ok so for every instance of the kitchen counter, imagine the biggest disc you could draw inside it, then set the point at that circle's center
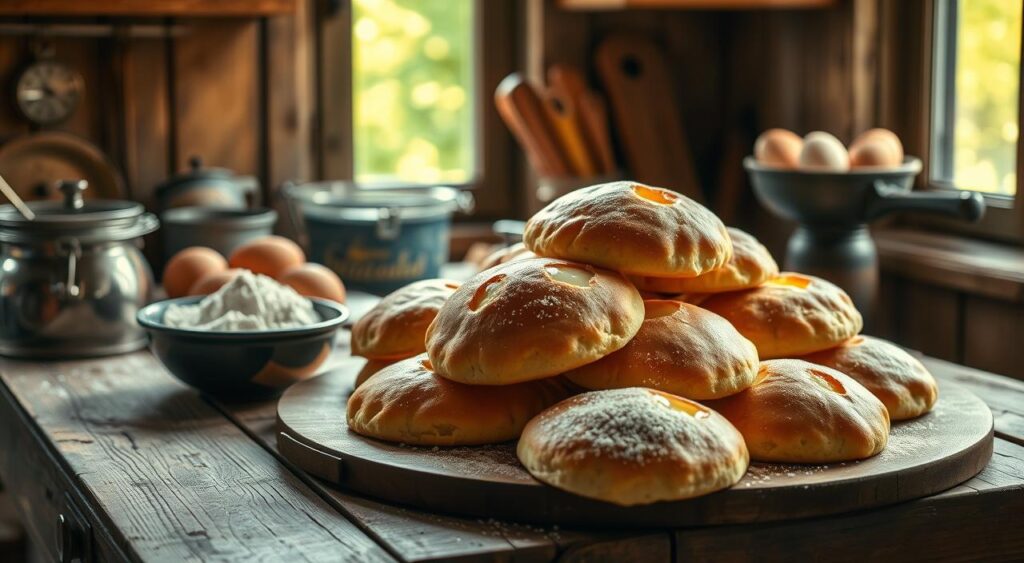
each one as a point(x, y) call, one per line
point(114, 459)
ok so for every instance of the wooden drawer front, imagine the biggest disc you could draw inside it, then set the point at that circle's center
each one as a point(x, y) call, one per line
point(48, 503)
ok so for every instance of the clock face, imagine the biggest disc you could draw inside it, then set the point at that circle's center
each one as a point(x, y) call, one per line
point(48, 91)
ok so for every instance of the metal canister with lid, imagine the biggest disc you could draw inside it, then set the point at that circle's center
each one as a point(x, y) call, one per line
point(379, 238)
point(72, 279)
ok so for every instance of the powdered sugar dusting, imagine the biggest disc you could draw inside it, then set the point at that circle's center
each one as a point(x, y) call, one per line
point(621, 425)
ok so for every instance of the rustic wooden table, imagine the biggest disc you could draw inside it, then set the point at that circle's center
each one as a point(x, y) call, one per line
point(113, 459)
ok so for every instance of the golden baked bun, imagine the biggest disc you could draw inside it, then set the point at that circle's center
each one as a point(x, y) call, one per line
point(531, 319)
point(395, 328)
point(750, 266)
point(680, 349)
point(799, 412)
point(631, 228)
point(517, 251)
point(369, 368)
point(633, 446)
point(790, 315)
point(407, 402)
point(899, 380)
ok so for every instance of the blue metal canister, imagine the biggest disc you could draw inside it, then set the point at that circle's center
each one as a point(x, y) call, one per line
point(376, 239)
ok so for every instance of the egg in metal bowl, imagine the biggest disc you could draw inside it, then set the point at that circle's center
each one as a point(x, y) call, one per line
point(242, 365)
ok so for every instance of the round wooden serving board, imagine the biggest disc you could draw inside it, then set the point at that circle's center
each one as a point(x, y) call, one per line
point(935, 452)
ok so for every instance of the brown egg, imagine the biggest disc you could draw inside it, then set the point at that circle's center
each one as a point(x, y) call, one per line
point(212, 282)
point(823, 152)
point(874, 152)
point(876, 147)
point(270, 256)
point(314, 280)
point(188, 266)
point(779, 148)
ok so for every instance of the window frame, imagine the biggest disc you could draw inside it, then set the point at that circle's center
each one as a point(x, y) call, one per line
point(909, 68)
point(496, 170)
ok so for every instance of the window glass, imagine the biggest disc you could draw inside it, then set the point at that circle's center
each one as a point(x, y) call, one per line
point(976, 99)
point(413, 94)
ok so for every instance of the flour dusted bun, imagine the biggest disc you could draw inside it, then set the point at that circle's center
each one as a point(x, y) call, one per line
point(789, 316)
point(407, 402)
point(517, 251)
point(394, 329)
point(633, 446)
point(898, 379)
point(681, 349)
point(750, 266)
point(799, 412)
point(631, 228)
point(369, 368)
point(531, 319)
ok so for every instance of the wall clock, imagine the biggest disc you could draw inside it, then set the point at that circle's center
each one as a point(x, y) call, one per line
point(47, 91)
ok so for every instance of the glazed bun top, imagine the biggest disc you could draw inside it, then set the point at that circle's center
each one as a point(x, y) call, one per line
point(681, 349)
point(750, 266)
point(799, 412)
point(790, 315)
point(407, 402)
point(631, 228)
point(395, 328)
point(531, 319)
point(899, 380)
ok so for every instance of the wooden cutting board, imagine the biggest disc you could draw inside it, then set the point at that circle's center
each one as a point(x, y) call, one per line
point(935, 452)
point(645, 108)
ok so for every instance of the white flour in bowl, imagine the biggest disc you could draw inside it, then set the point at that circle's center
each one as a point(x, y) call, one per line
point(248, 302)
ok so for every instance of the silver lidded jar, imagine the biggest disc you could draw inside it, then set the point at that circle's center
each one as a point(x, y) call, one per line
point(72, 279)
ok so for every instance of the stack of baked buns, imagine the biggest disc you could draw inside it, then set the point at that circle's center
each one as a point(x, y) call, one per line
point(639, 350)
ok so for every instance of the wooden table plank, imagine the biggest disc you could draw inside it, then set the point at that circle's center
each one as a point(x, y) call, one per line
point(968, 523)
point(172, 478)
point(415, 535)
point(412, 534)
point(1005, 396)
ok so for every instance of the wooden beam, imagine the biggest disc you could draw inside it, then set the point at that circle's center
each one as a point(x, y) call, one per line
point(192, 8)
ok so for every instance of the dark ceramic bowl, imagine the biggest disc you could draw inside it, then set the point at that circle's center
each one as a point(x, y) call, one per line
point(242, 365)
point(853, 198)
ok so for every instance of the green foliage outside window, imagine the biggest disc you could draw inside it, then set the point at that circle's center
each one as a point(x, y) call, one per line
point(987, 82)
point(413, 90)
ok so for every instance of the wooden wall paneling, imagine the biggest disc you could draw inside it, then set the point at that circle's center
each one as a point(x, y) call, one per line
point(497, 30)
point(905, 74)
point(147, 128)
point(12, 56)
point(82, 54)
point(928, 319)
point(992, 336)
point(111, 56)
point(883, 320)
point(216, 95)
point(290, 94)
point(748, 42)
point(553, 35)
point(335, 89)
point(865, 44)
point(694, 43)
point(827, 45)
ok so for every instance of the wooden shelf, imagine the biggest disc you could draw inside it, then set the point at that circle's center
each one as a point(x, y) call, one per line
point(695, 4)
point(973, 266)
point(148, 8)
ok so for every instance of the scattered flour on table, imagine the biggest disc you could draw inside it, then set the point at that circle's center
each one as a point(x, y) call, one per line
point(248, 302)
